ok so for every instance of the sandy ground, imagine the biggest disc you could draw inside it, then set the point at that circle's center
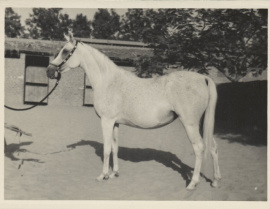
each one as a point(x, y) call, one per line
point(64, 156)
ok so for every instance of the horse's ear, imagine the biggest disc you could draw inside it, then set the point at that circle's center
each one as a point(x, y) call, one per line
point(70, 35)
point(66, 37)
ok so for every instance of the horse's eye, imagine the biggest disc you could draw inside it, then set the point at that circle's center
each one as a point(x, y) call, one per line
point(65, 51)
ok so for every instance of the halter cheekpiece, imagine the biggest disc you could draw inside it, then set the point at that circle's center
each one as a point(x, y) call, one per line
point(66, 59)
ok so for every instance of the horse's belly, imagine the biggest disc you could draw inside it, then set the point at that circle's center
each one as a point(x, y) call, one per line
point(151, 119)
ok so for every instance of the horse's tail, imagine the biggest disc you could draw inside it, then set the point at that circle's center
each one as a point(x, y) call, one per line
point(209, 116)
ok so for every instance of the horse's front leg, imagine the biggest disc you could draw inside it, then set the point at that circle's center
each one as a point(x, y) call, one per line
point(107, 130)
point(115, 172)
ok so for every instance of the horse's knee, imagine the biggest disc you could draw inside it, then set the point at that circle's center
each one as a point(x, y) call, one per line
point(201, 146)
point(107, 152)
point(115, 153)
point(198, 149)
point(115, 149)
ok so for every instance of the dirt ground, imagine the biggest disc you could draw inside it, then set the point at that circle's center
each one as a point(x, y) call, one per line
point(64, 156)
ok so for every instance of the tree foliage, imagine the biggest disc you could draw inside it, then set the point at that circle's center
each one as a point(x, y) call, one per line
point(13, 27)
point(81, 26)
point(48, 24)
point(105, 24)
point(232, 40)
point(133, 25)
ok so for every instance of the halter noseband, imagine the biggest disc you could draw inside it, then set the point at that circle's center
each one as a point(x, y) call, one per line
point(66, 59)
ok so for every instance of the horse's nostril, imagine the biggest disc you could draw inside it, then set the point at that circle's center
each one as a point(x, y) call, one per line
point(49, 73)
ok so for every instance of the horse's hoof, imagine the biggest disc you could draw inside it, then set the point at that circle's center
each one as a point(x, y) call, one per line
point(102, 177)
point(114, 174)
point(192, 186)
point(215, 184)
point(106, 177)
point(98, 179)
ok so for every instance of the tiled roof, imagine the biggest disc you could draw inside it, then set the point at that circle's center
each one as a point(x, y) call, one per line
point(112, 48)
point(113, 42)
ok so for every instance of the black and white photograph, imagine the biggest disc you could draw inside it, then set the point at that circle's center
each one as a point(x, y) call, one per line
point(163, 103)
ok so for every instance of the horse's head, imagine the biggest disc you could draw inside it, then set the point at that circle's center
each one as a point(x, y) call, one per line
point(66, 59)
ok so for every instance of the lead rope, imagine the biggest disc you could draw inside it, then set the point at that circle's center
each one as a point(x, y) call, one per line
point(28, 108)
point(41, 154)
point(50, 153)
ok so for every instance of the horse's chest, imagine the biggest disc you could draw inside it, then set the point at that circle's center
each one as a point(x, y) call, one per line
point(106, 103)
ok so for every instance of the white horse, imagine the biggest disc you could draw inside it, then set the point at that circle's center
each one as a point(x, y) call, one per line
point(120, 97)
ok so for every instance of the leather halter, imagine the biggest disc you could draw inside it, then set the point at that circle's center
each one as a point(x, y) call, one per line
point(66, 59)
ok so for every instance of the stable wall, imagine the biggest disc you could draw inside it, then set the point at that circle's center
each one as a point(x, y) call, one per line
point(14, 80)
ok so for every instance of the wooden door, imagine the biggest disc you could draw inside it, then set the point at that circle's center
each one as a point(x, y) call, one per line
point(36, 81)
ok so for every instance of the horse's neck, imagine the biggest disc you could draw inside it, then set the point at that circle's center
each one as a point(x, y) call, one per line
point(98, 68)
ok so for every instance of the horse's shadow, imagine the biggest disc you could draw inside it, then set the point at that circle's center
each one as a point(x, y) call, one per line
point(138, 155)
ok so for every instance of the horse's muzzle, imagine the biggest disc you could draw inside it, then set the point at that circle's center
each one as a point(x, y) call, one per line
point(52, 72)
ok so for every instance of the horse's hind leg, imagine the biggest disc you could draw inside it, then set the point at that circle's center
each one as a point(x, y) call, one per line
point(107, 130)
point(115, 172)
point(214, 154)
point(198, 147)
